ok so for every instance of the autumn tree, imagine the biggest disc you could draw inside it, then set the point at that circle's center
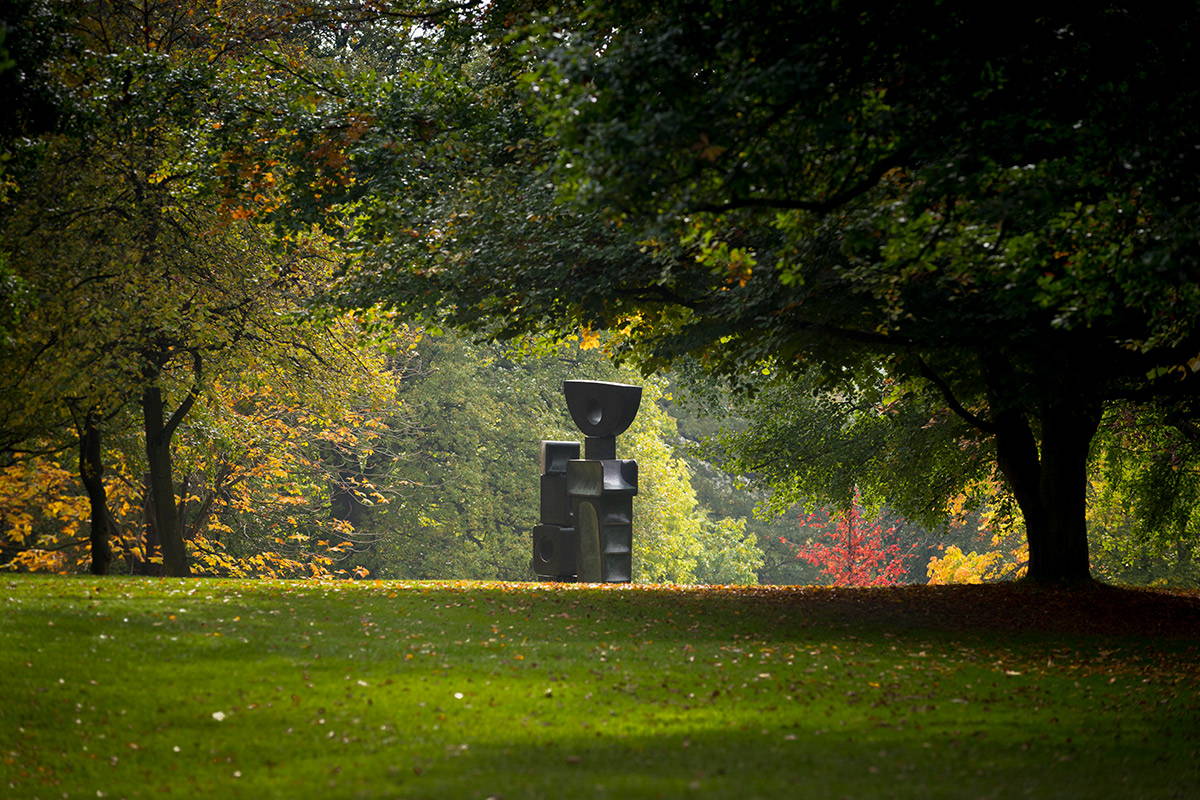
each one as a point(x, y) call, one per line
point(256, 486)
point(278, 450)
point(137, 235)
point(852, 549)
point(983, 540)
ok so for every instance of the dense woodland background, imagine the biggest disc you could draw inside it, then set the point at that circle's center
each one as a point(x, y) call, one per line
point(289, 289)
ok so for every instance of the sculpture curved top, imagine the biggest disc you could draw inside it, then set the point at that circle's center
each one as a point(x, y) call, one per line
point(600, 408)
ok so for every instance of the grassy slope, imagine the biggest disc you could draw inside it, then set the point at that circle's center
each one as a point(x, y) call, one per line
point(475, 690)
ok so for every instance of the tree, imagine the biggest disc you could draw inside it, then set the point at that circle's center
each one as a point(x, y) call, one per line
point(990, 207)
point(259, 462)
point(1145, 499)
point(728, 554)
point(91, 473)
point(134, 235)
point(278, 451)
point(853, 550)
point(984, 540)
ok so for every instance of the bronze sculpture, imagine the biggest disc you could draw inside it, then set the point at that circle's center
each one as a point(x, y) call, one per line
point(586, 530)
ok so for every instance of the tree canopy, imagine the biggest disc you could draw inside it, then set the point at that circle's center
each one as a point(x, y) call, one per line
point(941, 245)
point(993, 209)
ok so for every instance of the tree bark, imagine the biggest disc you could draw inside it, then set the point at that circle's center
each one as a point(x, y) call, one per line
point(1062, 554)
point(1043, 420)
point(91, 473)
point(159, 431)
point(1050, 486)
point(161, 484)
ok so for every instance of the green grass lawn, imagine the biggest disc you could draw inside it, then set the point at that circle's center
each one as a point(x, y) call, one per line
point(214, 688)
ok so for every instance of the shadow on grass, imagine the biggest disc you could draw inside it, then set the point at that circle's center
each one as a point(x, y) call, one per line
point(526, 691)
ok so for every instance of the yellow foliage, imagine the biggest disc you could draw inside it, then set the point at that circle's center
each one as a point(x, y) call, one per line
point(1010, 555)
point(211, 558)
point(959, 567)
point(45, 515)
point(39, 561)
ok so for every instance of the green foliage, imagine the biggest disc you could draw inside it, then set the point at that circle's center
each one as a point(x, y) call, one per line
point(666, 549)
point(747, 505)
point(935, 205)
point(680, 542)
point(468, 465)
point(1145, 493)
point(728, 554)
point(818, 446)
point(477, 413)
point(986, 208)
point(705, 411)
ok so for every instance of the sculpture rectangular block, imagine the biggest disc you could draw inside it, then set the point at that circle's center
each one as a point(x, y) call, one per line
point(555, 506)
point(553, 456)
point(555, 545)
point(555, 552)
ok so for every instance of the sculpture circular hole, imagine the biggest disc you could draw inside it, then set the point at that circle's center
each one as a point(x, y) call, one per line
point(546, 549)
point(595, 414)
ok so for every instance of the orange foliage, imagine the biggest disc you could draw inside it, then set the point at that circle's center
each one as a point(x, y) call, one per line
point(45, 517)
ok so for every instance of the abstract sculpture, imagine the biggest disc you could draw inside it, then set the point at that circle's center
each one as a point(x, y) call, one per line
point(586, 530)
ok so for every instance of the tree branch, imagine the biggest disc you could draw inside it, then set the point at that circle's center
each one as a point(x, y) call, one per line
point(947, 393)
point(188, 402)
point(376, 12)
point(821, 207)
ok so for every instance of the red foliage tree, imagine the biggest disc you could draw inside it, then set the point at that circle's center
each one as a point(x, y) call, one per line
point(852, 550)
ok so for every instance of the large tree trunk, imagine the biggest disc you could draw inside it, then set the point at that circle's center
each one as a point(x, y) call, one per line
point(91, 473)
point(162, 484)
point(1062, 553)
point(1050, 485)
